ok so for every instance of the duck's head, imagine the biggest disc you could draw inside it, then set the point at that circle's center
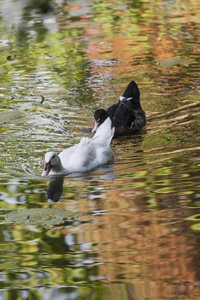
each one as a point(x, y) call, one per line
point(100, 116)
point(51, 160)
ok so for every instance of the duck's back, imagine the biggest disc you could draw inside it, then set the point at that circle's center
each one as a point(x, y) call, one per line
point(127, 115)
point(124, 114)
point(89, 153)
point(80, 158)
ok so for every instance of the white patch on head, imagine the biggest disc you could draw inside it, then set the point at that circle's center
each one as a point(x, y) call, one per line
point(49, 156)
point(51, 159)
point(121, 98)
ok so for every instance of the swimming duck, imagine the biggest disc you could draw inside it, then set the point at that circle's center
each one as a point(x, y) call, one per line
point(127, 115)
point(82, 157)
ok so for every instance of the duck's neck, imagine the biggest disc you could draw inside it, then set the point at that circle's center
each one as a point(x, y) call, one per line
point(58, 167)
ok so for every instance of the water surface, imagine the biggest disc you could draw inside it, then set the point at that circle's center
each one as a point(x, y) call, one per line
point(137, 231)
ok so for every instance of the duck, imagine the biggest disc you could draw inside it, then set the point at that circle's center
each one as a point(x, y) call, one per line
point(127, 115)
point(88, 154)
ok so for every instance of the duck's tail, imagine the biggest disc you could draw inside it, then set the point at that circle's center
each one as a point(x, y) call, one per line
point(104, 134)
point(132, 91)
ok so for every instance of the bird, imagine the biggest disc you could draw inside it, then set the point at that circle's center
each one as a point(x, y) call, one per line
point(127, 115)
point(88, 154)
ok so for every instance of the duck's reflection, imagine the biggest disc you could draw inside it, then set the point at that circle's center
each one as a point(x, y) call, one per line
point(55, 187)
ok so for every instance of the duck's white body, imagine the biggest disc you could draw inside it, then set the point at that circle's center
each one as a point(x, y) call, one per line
point(82, 157)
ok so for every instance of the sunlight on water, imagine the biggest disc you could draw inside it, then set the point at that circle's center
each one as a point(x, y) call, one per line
point(136, 235)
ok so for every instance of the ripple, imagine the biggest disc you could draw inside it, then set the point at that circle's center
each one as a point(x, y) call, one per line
point(132, 237)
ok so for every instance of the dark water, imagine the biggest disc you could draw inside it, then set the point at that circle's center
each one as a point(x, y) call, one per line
point(137, 231)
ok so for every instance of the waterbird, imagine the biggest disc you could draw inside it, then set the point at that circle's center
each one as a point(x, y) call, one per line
point(88, 154)
point(127, 115)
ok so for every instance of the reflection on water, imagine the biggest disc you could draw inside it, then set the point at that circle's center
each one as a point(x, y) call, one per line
point(54, 189)
point(137, 231)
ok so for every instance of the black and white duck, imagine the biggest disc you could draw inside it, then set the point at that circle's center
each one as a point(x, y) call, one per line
point(127, 115)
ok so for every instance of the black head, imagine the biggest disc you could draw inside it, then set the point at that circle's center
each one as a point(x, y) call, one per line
point(100, 116)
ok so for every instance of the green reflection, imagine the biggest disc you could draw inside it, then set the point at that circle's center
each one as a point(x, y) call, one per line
point(125, 243)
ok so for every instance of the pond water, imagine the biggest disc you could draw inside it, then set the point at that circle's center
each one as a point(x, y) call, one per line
point(136, 234)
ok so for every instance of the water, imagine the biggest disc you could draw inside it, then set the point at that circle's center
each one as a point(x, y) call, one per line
point(137, 231)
